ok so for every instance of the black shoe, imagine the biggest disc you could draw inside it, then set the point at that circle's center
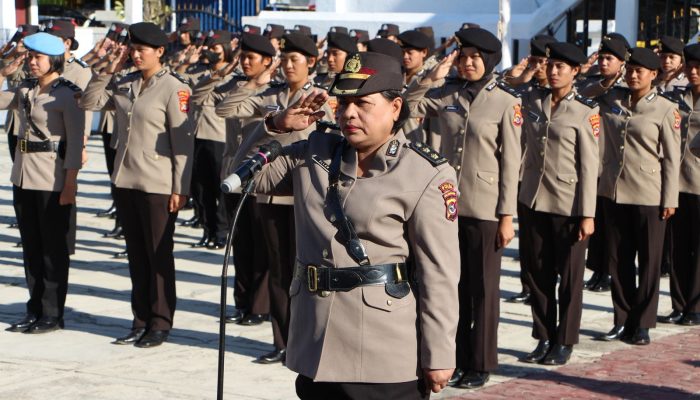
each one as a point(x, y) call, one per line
point(473, 379)
point(236, 317)
point(191, 222)
point(202, 242)
point(217, 244)
point(131, 338)
point(593, 281)
point(18, 244)
point(456, 377)
point(539, 353)
point(45, 325)
point(672, 318)
point(116, 233)
point(558, 355)
point(278, 355)
point(522, 297)
point(152, 339)
point(691, 319)
point(121, 255)
point(189, 205)
point(23, 324)
point(640, 337)
point(603, 284)
point(111, 212)
point(13, 225)
point(616, 333)
point(253, 319)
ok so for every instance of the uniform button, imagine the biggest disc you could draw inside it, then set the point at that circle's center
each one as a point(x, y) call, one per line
point(324, 253)
point(653, 170)
point(543, 138)
point(459, 149)
point(571, 180)
point(620, 163)
point(541, 169)
point(491, 179)
point(333, 218)
point(461, 132)
point(129, 113)
point(389, 302)
point(542, 153)
point(325, 293)
point(458, 167)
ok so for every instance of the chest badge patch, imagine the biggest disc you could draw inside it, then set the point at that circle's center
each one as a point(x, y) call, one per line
point(449, 194)
point(677, 120)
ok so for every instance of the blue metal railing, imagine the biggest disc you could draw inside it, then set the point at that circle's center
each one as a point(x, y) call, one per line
point(212, 17)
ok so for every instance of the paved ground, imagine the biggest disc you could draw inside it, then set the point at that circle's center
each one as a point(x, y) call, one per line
point(79, 362)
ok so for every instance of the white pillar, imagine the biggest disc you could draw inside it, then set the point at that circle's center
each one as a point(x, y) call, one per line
point(33, 12)
point(173, 16)
point(133, 11)
point(107, 5)
point(504, 33)
point(627, 19)
point(8, 23)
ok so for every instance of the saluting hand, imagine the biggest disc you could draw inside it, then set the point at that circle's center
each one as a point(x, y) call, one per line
point(436, 379)
point(303, 113)
point(266, 76)
point(176, 202)
point(119, 60)
point(586, 228)
point(12, 67)
point(591, 60)
point(442, 68)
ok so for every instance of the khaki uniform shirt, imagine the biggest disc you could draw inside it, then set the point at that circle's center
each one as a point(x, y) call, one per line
point(402, 210)
point(56, 113)
point(560, 169)
point(678, 82)
point(156, 135)
point(642, 149)
point(13, 82)
point(80, 76)
point(206, 94)
point(247, 103)
point(481, 140)
point(690, 163)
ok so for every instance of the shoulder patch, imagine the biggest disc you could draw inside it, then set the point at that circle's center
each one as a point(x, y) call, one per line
point(428, 153)
point(586, 101)
point(65, 82)
point(508, 89)
point(326, 125)
point(180, 77)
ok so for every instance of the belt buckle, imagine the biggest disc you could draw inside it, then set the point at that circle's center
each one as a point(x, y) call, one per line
point(23, 145)
point(312, 278)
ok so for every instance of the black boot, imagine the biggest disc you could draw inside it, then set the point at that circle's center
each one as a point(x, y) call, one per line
point(203, 242)
point(108, 213)
point(192, 222)
point(558, 355)
point(603, 284)
point(522, 297)
point(590, 283)
point(116, 233)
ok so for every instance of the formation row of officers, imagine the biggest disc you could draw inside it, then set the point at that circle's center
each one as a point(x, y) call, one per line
point(588, 157)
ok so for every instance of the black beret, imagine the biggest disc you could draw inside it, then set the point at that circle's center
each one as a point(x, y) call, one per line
point(691, 52)
point(617, 36)
point(669, 44)
point(366, 73)
point(24, 30)
point(644, 57)
point(388, 30)
point(467, 25)
point(251, 29)
point(538, 45)
point(415, 40)
point(360, 35)
point(342, 41)
point(298, 42)
point(217, 37)
point(567, 52)
point(303, 29)
point(386, 46)
point(147, 33)
point(257, 44)
point(188, 24)
point(62, 29)
point(338, 29)
point(480, 38)
point(274, 31)
point(613, 46)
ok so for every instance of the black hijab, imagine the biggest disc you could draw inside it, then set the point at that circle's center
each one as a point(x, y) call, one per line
point(491, 60)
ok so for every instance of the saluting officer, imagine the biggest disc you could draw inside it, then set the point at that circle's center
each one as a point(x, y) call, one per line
point(671, 74)
point(480, 122)
point(375, 289)
point(152, 173)
point(685, 274)
point(44, 176)
point(640, 186)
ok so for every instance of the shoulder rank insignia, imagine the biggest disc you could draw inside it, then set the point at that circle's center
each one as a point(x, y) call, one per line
point(491, 86)
point(307, 86)
point(31, 82)
point(322, 86)
point(428, 153)
point(276, 84)
point(324, 165)
point(651, 96)
point(671, 96)
point(393, 148)
point(326, 125)
point(508, 89)
point(178, 76)
point(585, 100)
point(66, 83)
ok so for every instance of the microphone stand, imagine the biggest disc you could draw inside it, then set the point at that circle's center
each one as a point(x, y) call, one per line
point(247, 190)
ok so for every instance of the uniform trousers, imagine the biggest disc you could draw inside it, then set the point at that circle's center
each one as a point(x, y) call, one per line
point(278, 231)
point(554, 251)
point(148, 230)
point(110, 154)
point(685, 274)
point(250, 291)
point(596, 259)
point(11, 137)
point(206, 187)
point(43, 227)
point(634, 230)
point(307, 389)
point(521, 237)
point(477, 332)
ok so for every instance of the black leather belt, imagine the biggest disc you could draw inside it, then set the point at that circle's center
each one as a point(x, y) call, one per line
point(325, 279)
point(45, 146)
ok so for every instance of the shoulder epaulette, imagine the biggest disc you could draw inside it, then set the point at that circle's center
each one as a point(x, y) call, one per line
point(322, 86)
point(65, 82)
point(307, 86)
point(129, 76)
point(585, 100)
point(508, 89)
point(31, 82)
point(671, 96)
point(180, 77)
point(428, 153)
point(323, 126)
point(275, 84)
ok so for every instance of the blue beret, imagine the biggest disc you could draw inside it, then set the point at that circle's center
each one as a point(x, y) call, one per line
point(45, 43)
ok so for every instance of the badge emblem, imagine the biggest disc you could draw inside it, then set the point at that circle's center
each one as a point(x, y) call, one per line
point(353, 65)
point(517, 116)
point(184, 100)
point(282, 43)
point(595, 124)
point(449, 194)
point(677, 120)
point(393, 148)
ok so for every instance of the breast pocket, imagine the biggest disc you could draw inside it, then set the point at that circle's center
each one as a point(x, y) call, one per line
point(377, 298)
point(650, 169)
point(568, 179)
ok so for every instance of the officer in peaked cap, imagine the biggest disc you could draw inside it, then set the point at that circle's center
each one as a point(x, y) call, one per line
point(389, 31)
point(361, 37)
point(671, 75)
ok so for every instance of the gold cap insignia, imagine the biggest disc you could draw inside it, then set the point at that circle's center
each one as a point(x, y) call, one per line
point(353, 65)
point(282, 43)
point(547, 51)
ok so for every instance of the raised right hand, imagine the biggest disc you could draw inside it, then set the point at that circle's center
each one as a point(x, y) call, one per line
point(12, 67)
point(443, 67)
point(302, 113)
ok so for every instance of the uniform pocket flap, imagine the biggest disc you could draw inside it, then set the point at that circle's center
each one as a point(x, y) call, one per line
point(155, 155)
point(568, 178)
point(650, 169)
point(488, 177)
point(376, 297)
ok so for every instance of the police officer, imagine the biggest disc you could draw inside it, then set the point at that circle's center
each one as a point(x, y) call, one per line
point(640, 185)
point(339, 45)
point(671, 75)
point(358, 303)
point(274, 33)
point(185, 35)
point(152, 173)
point(361, 38)
point(299, 56)
point(416, 49)
point(44, 177)
point(389, 31)
point(685, 275)
point(557, 193)
point(480, 122)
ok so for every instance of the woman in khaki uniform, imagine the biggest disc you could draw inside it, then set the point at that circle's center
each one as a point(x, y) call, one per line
point(374, 294)
point(152, 173)
point(558, 197)
point(44, 175)
point(480, 124)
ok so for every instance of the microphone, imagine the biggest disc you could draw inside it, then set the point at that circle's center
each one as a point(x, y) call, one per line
point(250, 167)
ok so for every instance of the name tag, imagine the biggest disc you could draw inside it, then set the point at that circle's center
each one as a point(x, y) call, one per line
point(617, 111)
point(125, 89)
point(272, 108)
point(533, 116)
point(452, 108)
point(320, 163)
